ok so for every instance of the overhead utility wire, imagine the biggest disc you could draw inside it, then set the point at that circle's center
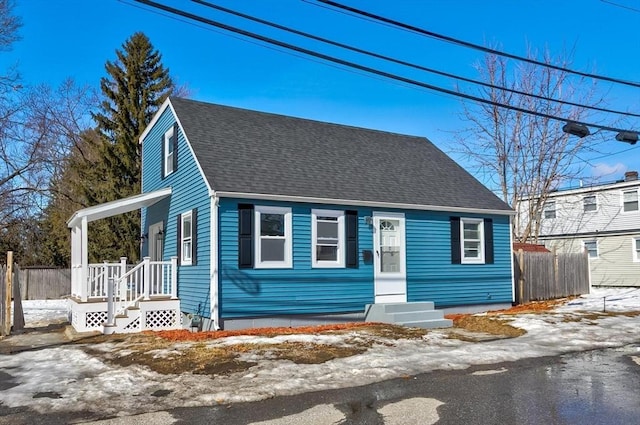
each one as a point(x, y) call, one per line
point(362, 67)
point(471, 45)
point(401, 62)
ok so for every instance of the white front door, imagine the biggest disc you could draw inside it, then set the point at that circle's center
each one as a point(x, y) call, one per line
point(156, 241)
point(389, 258)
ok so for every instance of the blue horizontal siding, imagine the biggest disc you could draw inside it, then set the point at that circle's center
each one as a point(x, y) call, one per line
point(299, 290)
point(189, 191)
point(432, 277)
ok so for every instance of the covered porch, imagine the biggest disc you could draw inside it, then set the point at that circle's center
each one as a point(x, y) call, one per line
point(115, 296)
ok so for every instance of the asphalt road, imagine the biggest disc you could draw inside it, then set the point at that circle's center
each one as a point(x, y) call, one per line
point(594, 387)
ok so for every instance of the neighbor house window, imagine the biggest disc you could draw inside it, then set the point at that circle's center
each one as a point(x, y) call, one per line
point(550, 209)
point(169, 146)
point(327, 238)
point(472, 240)
point(630, 200)
point(273, 242)
point(592, 248)
point(187, 243)
point(590, 203)
point(636, 249)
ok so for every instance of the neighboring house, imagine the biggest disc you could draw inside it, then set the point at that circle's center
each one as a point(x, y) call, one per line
point(277, 220)
point(604, 220)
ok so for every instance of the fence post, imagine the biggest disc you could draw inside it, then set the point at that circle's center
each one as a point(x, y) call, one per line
point(521, 279)
point(146, 280)
point(18, 314)
point(9, 292)
point(174, 278)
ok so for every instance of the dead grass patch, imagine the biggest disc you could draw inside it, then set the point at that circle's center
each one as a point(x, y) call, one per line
point(487, 324)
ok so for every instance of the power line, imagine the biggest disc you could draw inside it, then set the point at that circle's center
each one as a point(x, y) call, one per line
point(408, 64)
point(364, 68)
point(633, 9)
point(470, 45)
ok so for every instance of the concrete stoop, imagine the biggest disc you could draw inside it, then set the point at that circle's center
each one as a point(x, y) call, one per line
point(414, 314)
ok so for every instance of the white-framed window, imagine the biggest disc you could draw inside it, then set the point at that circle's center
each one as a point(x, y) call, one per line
point(327, 238)
point(590, 203)
point(186, 238)
point(273, 240)
point(592, 248)
point(168, 149)
point(635, 249)
point(550, 209)
point(630, 200)
point(472, 240)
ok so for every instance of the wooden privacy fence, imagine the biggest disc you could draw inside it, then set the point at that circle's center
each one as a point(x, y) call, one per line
point(547, 275)
point(41, 283)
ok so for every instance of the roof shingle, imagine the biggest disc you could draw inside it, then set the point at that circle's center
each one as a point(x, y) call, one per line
point(260, 153)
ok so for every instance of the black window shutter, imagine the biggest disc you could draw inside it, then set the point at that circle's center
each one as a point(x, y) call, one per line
point(245, 236)
point(179, 237)
point(351, 230)
point(488, 241)
point(194, 237)
point(174, 143)
point(456, 257)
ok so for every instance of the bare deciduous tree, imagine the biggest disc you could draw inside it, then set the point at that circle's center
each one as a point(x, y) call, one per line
point(522, 155)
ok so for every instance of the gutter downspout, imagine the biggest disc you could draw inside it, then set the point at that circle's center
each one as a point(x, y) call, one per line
point(215, 246)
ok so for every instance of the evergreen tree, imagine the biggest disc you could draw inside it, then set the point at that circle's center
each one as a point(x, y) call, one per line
point(135, 86)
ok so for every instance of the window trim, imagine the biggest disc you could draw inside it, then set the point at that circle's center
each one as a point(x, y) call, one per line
point(548, 203)
point(480, 223)
point(168, 159)
point(635, 253)
point(184, 261)
point(584, 247)
point(340, 261)
point(622, 210)
point(288, 238)
point(595, 198)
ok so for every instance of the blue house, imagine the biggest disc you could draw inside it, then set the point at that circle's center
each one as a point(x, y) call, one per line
point(263, 219)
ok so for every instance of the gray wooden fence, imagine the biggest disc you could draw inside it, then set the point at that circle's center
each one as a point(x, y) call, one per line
point(546, 275)
point(41, 283)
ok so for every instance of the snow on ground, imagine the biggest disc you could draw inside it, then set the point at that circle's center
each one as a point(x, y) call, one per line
point(85, 382)
point(43, 312)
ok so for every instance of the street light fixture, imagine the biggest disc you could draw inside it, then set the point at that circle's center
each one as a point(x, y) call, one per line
point(576, 129)
point(630, 137)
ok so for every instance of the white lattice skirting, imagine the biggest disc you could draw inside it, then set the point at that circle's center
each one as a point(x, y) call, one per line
point(150, 315)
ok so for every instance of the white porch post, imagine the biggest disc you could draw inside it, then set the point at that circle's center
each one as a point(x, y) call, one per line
point(174, 278)
point(123, 266)
point(146, 280)
point(75, 261)
point(84, 254)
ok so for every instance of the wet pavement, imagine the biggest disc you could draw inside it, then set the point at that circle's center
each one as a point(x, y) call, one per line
point(42, 337)
point(593, 387)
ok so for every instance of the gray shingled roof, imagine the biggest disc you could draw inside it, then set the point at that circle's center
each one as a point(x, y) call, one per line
point(255, 152)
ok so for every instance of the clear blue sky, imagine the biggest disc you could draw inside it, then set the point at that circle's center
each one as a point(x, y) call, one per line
point(74, 38)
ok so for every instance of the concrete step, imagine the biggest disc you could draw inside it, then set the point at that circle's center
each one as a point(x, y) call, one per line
point(428, 324)
point(411, 316)
point(408, 307)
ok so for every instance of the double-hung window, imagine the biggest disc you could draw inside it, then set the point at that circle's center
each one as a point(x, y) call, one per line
point(630, 200)
point(273, 247)
point(169, 154)
point(327, 238)
point(550, 209)
point(636, 249)
point(186, 238)
point(592, 248)
point(472, 240)
point(590, 203)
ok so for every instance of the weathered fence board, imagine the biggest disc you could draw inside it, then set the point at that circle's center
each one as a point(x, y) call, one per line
point(545, 275)
point(42, 283)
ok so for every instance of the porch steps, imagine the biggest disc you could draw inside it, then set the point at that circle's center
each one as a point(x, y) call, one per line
point(413, 314)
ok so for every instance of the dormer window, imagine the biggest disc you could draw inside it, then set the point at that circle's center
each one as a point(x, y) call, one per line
point(170, 151)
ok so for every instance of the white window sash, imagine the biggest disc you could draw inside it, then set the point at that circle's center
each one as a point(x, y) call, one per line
point(338, 242)
point(288, 239)
point(186, 240)
point(480, 241)
point(168, 152)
